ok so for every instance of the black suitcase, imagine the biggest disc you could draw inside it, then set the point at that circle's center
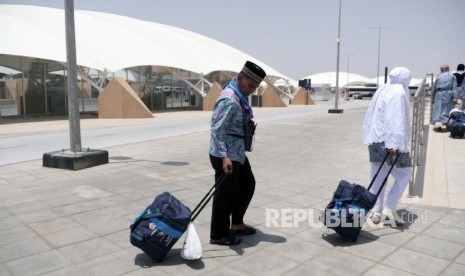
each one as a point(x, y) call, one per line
point(457, 129)
point(456, 123)
point(156, 229)
point(351, 203)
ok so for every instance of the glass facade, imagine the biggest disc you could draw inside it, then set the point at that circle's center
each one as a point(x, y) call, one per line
point(166, 89)
point(36, 87)
point(31, 86)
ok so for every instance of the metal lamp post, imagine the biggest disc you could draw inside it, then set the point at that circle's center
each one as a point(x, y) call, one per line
point(338, 41)
point(379, 50)
point(75, 158)
point(348, 69)
point(73, 104)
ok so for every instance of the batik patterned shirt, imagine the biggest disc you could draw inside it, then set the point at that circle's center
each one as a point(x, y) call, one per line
point(227, 128)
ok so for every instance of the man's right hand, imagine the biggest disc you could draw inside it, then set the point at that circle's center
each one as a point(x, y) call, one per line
point(227, 165)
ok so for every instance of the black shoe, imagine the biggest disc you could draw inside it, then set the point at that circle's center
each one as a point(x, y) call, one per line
point(228, 241)
point(247, 230)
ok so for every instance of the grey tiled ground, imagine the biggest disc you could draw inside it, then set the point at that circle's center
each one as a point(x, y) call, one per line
point(58, 222)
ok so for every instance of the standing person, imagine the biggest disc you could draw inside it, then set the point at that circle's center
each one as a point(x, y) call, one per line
point(387, 128)
point(459, 92)
point(227, 155)
point(442, 96)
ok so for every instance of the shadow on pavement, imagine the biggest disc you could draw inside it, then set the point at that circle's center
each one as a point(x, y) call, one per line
point(408, 217)
point(174, 255)
point(372, 232)
point(337, 240)
point(172, 258)
point(260, 236)
point(126, 159)
point(251, 241)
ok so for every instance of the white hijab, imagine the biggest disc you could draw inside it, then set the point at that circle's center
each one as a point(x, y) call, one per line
point(388, 116)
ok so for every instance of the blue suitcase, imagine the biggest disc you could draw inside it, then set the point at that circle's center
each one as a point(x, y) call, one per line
point(350, 205)
point(160, 225)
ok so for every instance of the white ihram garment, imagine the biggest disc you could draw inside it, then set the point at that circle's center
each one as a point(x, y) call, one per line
point(388, 120)
point(388, 116)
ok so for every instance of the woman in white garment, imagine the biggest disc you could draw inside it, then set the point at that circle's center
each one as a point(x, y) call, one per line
point(387, 128)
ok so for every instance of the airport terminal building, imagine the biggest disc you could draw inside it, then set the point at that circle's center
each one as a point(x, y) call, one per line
point(168, 68)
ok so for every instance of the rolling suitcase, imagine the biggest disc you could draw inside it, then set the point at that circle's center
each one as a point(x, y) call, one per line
point(457, 129)
point(351, 203)
point(160, 225)
point(456, 123)
point(156, 229)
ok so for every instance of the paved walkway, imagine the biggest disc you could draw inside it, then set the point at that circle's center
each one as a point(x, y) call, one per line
point(60, 222)
point(444, 177)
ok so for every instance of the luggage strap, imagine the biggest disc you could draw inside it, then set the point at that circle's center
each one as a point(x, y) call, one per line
point(208, 197)
point(157, 214)
point(387, 175)
point(139, 219)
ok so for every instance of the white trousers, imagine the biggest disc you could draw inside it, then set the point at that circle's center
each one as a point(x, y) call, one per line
point(401, 180)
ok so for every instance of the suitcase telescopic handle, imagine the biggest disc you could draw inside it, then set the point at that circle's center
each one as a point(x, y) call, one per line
point(207, 197)
point(377, 172)
point(387, 175)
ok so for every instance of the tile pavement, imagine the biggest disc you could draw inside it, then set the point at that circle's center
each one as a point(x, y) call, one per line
point(59, 222)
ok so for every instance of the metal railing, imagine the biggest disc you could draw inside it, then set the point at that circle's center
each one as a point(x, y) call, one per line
point(418, 129)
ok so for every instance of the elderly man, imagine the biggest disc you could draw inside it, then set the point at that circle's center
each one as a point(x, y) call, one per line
point(387, 128)
point(442, 96)
point(229, 142)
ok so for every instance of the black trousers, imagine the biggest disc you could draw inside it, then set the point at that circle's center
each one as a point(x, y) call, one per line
point(232, 198)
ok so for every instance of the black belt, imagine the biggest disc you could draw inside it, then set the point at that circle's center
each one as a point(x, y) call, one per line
point(441, 89)
point(236, 135)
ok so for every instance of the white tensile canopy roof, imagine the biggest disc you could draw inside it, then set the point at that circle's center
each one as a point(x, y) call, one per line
point(413, 81)
point(330, 78)
point(113, 42)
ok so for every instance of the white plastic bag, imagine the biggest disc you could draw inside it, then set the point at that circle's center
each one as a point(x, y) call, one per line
point(192, 248)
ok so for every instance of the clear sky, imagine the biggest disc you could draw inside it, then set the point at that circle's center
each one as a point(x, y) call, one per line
point(298, 37)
